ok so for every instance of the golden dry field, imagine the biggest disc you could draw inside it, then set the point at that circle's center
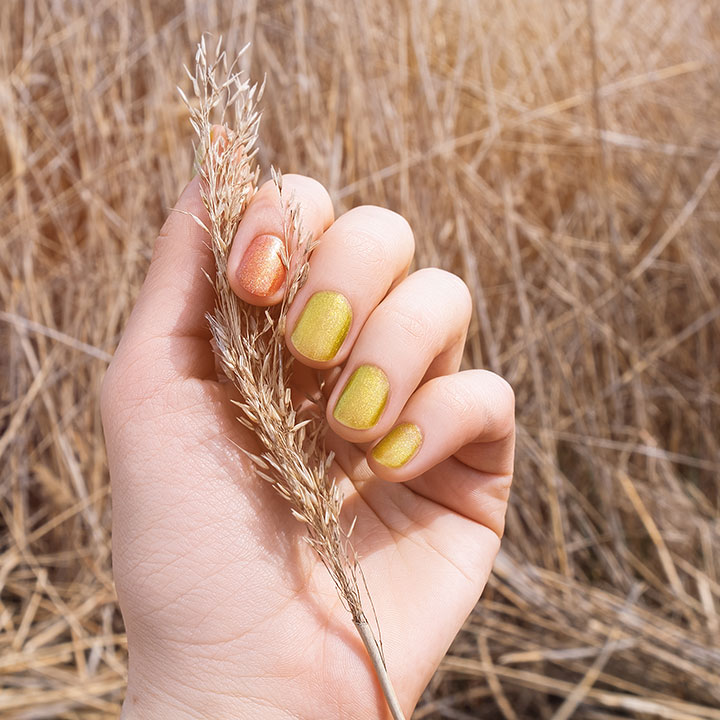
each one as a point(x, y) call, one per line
point(563, 156)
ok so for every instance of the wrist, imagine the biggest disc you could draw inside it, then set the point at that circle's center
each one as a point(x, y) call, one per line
point(188, 695)
point(144, 704)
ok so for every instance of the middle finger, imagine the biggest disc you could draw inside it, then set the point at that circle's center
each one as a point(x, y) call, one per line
point(356, 261)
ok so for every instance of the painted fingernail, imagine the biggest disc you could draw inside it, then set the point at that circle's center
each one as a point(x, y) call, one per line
point(217, 132)
point(261, 270)
point(363, 398)
point(323, 326)
point(398, 446)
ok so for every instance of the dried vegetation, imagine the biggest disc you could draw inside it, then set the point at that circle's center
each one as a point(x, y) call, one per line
point(562, 156)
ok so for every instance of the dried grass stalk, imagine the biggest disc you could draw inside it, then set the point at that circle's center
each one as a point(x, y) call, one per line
point(250, 340)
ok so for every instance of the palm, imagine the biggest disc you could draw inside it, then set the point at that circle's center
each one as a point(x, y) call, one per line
point(218, 544)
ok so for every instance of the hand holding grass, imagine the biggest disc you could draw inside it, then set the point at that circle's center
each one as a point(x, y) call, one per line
point(228, 613)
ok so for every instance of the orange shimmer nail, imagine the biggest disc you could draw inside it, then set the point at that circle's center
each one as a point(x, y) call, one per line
point(261, 270)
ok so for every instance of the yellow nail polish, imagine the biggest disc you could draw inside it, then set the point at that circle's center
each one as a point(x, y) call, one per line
point(323, 326)
point(398, 446)
point(363, 399)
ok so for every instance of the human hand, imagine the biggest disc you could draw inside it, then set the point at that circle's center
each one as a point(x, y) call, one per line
point(229, 614)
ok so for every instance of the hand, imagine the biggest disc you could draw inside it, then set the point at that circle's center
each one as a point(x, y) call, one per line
point(229, 614)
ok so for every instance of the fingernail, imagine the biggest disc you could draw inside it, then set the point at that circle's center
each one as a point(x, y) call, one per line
point(216, 132)
point(323, 326)
point(261, 270)
point(363, 399)
point(398, 446)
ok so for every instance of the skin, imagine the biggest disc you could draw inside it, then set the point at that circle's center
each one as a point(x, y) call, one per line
point(228, 612)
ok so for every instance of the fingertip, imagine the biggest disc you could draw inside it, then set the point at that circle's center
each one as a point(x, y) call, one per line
point(258, 261)
point(391, 458)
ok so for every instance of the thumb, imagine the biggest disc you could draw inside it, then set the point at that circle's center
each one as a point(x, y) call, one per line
point(168, 325)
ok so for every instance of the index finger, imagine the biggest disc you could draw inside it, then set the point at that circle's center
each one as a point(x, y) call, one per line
point(255, 271)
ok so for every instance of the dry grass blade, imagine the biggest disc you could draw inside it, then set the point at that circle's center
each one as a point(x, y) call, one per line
point(250, 341)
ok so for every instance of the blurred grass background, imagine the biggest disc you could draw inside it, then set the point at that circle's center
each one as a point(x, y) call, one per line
point(561, 155)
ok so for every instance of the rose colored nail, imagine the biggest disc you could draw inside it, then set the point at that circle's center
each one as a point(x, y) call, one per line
point(261, 270)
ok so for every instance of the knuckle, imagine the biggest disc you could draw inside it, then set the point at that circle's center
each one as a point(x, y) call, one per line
point(459, 401)
point(501, 403)
point(312, 196)
point(369, 252)
point(310, 188)
point(505, 393)
point(265, 202)
point(486, 398)
point(411, 326)
point(450, 283)
point(391, 228)
point(397, 222)
point(462, 290)
point(454, 312)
